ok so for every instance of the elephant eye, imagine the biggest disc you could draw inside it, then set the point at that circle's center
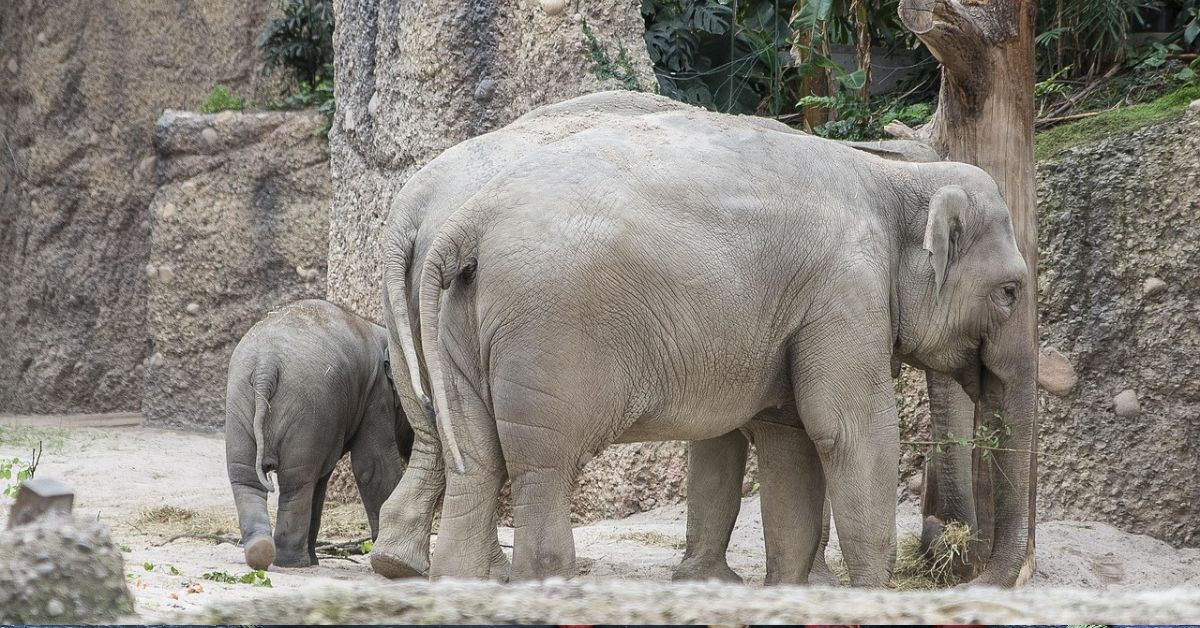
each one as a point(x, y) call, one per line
point(1008, 293)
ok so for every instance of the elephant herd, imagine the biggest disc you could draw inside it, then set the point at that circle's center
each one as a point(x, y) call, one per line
point(620, 268)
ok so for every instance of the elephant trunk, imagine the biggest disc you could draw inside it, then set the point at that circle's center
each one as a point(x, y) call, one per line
point(1009, 391)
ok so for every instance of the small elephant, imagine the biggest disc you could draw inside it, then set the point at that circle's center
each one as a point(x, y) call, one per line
point(674, 276)
point(307, 384)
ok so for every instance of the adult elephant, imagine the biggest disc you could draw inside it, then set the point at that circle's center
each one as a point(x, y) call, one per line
point(712, 271)
point(417, 213)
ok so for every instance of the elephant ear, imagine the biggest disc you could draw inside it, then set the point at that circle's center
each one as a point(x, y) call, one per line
point(943, 230)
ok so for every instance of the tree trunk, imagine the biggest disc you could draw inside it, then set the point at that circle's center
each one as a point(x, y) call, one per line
point(985, 117)
point(415, 78)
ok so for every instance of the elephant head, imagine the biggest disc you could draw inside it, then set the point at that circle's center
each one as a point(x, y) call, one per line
point(962, 285)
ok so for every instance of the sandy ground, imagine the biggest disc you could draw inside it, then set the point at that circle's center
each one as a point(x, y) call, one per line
point(121, 474)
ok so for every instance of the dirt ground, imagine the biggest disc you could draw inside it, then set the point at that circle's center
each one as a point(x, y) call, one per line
point(150, 485)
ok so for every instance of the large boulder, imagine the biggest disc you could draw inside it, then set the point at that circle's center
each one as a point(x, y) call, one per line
point(61, 569)
point(81, 84)
point(239, 224)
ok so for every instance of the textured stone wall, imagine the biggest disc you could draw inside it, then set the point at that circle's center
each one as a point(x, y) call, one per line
point(81, 84)
point(1120, 298)
point(238, 228)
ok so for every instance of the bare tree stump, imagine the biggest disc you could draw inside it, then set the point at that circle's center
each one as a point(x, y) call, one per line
point(985, 117)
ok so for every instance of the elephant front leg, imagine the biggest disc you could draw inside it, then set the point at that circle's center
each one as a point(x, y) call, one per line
point(715, 470)
point(845, 400)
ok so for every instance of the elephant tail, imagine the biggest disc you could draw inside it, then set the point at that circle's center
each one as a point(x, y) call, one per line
point(451, 257)
point(263, 382)
point(398, 257)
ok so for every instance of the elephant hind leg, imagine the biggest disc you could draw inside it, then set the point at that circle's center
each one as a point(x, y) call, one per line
point(544, 454)
point(314, 525)
point(716, 467)
point(467, 545)
point(793, 494)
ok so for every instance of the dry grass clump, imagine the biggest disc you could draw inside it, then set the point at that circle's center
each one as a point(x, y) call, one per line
point(916, 572)
point(650, 538)
point(170, 520)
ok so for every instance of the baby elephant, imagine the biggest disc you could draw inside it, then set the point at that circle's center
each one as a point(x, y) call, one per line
point(307, 384)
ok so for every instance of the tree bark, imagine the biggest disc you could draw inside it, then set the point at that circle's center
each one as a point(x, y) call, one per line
point(985, 117)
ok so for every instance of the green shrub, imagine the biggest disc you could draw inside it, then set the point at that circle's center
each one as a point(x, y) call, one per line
point(300, 41)
point(220, 99)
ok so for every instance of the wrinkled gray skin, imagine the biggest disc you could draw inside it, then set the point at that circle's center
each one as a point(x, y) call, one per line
point(418, 212)
point(708, 273)
point(306, 385)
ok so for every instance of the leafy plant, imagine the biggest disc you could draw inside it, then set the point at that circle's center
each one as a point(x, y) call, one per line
point(148, 566)
point(13, 471)
point(255, 577)
point(605, 67)
point(221, 99)
point(300, 41)
point(762, 56)
point(858, 120)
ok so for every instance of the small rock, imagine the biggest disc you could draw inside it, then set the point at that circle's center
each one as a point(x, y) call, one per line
point(166, 273)
point(914, 485)
point(13, 66)
point(168, 211)
point(54, 608)
point(373, 104)
point(151, 271)
point(193, 308)
point(41, 38)
point(1126, 404)
point(1153, 286)
point(209, 135)
point(485, 89)
point(224, 117)
point(1055, 373)
point(553, 7)
point(1195, 105)
point(188, 187)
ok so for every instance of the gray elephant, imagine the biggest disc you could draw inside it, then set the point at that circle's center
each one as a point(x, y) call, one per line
point(307, 384)
point(418, 212)
point(706, 273)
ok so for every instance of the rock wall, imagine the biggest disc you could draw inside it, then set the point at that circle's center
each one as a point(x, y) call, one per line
point(81, 84)
point(239, 227)
point(1120, 298)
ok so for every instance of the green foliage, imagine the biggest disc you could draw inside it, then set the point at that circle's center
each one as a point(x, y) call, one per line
point(319, 96)
point(737, 57)
point(13, 471)
point(255, 577)
point(300, 41)
point(1112, 122)
point(220, 99)
point(365, 547)
point(605, 67)
point(858, 120)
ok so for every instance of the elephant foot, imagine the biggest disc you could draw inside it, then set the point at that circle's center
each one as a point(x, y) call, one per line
point(501, 569)
point(394, 565)
point(822, 575)
point(705, 569)
point(295, 560)
point(260, 552)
